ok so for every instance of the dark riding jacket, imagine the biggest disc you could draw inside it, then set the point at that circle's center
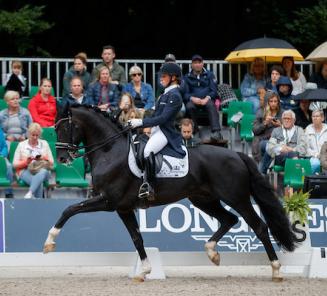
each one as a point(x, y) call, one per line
point(167, 107)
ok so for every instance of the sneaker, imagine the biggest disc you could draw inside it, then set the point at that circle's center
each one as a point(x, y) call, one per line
point(29, 195)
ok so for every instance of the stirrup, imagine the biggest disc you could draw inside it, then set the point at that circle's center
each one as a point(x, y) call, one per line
point(146, 191)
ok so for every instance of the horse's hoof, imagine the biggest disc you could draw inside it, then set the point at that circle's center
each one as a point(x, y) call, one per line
point(138, 279)
point(49, 248)
point(277, 279)
point(215, 258)
point(212, 254)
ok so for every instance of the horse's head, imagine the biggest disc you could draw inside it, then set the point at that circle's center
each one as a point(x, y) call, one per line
point(69, 136)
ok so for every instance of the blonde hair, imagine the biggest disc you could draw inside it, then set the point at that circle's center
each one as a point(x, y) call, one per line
point(17, 64)
point(132, 111)
point(255, 62)
point(101, 69)
point(34, 127)
point(267, 110)
point(134, 70)
point(10, 94)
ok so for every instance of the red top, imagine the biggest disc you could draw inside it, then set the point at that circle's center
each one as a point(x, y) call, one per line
point(43, 112)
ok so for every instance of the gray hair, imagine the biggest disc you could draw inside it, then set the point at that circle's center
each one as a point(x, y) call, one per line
point(321, 112)
point(289, 112)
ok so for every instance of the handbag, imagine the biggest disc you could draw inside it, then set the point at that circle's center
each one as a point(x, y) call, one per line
point(36, 165)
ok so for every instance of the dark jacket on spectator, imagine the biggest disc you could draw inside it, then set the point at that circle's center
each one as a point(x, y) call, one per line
point(301, 120)
point(317, 78)
point(286, 101)
point(84, 75)
point(68, 99)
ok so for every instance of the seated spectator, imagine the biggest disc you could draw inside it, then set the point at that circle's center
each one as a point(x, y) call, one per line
point(14, 120)
point(79, 69)
point(275, 72)
point(102, 92)
point(320, 77)
point(297, 78)
point(303, 114)
point(316, 134)
point(4, 154)
point(15, 80)
point(284, 88)
point(30, 151)
point(141, 92)
point(43, 105)
point(286, 141)
point(117, 72)
point(254, 83)
point(189, 140)
point(200, 91)
point(266, 120)
point(76, 95)
point(129, 111)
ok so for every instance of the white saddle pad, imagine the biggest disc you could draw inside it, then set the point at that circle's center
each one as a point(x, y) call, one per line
point(174, 168)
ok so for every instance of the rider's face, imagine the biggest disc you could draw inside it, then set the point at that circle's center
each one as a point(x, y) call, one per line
point(164, 80)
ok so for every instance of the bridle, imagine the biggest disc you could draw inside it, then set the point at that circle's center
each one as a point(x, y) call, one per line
point(73, 149)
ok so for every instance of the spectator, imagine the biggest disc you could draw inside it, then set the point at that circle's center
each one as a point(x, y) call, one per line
point(266, 120)
point(4, 154)
point(286, 141)
point(320, 78)
point(76, 93)
point(275, 73)
point(117, 72)
point(303, 114)
point(316, 134)
point(31, 151)
point(297, 78)
point(129, 111)
point(79, 69)
point(254, 83)
point(200, 88)
point(284, 88)
point(43, 105)
point(14, 120)
point(15, 80)
point(189, 140)
point(102, 92)
point(141, 92)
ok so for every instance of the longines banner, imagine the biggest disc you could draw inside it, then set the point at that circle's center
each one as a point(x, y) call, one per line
point(176, 227)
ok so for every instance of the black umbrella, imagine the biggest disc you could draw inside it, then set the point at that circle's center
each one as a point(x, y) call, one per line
point(319, 94)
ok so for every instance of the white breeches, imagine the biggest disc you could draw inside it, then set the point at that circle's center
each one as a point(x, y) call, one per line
point(156, 142)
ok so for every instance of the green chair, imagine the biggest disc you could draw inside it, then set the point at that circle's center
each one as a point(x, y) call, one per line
point(71, 176)
point(246, 133)
point(12, 149)
point(52, 146)
point(24, 103)
point(238, 93)
point(295, 171)
point(3, 104)
point(2, 92)
point(4, 182)
point(49, 134)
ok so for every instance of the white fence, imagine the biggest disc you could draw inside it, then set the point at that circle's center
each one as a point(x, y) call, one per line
point(37, 68)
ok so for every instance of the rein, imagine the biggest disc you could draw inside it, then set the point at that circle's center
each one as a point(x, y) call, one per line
point(73, 149)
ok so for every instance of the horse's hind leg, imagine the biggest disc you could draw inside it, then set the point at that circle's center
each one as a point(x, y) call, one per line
point(132, 226)
point(90, 205)
point(246, 210)
point(226, 219)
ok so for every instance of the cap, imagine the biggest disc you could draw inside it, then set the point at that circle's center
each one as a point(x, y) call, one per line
point(197, 57)
point(170, 58)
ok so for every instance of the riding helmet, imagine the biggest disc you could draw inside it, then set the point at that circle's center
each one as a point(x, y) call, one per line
point(171, 69)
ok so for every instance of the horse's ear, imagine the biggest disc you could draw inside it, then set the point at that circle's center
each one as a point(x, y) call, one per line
point(62, 108)
point(114, 115)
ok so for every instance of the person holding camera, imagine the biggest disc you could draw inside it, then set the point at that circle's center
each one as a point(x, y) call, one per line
point(129, 111)
point(32, 161)
point(266, 120)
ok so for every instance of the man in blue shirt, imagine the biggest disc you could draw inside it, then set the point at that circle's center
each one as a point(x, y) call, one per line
point(200, 91)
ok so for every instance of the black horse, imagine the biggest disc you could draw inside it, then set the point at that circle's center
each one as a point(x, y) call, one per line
point(215, 174)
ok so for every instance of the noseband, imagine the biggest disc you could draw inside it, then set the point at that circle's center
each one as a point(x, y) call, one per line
point(73, 149)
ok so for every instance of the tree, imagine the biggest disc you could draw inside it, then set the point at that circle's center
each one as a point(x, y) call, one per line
point(22, 27)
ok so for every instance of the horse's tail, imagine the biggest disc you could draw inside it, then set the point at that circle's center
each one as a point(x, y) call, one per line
point(270, 206)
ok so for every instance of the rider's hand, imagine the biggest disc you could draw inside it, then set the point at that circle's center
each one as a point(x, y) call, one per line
point(135, 122)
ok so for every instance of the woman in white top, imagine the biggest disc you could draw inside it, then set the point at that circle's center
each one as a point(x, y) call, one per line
point(30, 150)
point(316, 134)
point(297, 78)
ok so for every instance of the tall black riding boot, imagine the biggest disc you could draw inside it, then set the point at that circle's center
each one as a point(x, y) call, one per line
point(146, 190)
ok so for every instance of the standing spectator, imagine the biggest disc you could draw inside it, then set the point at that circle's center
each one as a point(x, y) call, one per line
point(31, 150)
point(129, 111)
point(102, 92)
point(320, 77)
point(284, 88)
point(117, 72)
point(141, 92)
point(4, 154)
point(254, 83)
point(15, 80)
point(43, 105)
point(79, 69)
point(275, 72)
point(14, 120)
point(316, 134)
point(76, 93)
point(200, 91)
point(297, 78)
point(189, 140)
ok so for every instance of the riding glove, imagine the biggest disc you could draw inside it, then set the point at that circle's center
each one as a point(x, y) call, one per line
point(135, 122)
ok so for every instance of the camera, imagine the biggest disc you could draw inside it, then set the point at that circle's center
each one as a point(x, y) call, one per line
point(38, 156)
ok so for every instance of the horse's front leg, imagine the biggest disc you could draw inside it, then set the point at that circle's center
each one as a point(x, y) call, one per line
point(91, 205)
point(132, 226)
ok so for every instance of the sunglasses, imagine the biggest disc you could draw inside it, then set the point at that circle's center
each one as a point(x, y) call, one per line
point(136, 74)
